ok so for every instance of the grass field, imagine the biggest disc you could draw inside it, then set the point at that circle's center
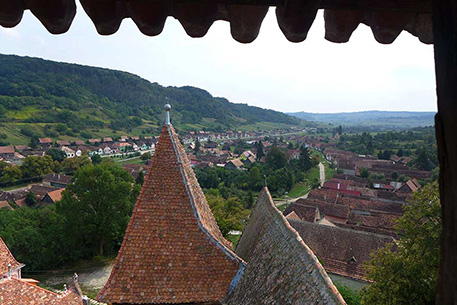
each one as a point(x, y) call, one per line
point(134, 160)
point(233, 239)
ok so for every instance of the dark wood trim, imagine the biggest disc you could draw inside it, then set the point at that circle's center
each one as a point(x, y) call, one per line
point(445, 39)
point(414, 6)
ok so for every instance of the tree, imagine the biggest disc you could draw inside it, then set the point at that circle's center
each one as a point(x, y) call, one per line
point(275, 158)
point(229, 213)
point(96, 159)
point(255, 179)
point(407, 273)
point(260, 151)
point(97, 204)
point(197, 146)
point(35, 166)
point(56, 154)
point(71, 165)
point(395, 176)
point(61, 128)
point(304, 163)
point(146, 156)
point(140, 178)
point(31, 199)
point(363, 172)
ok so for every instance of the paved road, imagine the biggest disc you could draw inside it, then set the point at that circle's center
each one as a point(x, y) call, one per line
point(322, 173)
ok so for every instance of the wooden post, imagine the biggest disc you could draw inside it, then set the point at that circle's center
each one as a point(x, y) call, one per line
point(445, 39)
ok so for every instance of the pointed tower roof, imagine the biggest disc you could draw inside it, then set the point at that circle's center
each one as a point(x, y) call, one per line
point(173, 251)
point(6, 258)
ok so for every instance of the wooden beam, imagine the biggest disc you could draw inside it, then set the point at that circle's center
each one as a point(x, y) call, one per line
point(445, 40)
point(413, 6)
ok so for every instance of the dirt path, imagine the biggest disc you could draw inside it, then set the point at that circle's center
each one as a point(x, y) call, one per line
point(91, 280)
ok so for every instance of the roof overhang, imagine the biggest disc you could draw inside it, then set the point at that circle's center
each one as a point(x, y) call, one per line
point(387, 18)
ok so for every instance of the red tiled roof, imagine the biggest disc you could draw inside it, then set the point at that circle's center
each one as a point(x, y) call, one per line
point(56, 195)
point(329, 209)
point(63, 143)
point(304, 212)
point(17, 292)
point(45, 140)
point(342, 251)
point(5, 205)
point(173, 251)
point(6, 150)
point(7, 258)
point(371, 205)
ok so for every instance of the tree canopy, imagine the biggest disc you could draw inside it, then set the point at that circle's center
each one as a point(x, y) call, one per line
point(406, 273)
point(98, 204)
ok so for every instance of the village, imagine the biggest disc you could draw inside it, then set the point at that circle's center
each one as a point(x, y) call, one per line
point(352, 210)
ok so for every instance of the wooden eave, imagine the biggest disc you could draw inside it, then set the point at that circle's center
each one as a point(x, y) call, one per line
point(387, 18)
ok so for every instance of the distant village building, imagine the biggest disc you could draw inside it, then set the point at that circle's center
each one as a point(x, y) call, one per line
point(7, 152)
point(342, 251)
point(410, 186)
point(56, 180)
point(45, 142)
point(52, 197)
point(70, 153)
point(63, 143)
point(234, 164)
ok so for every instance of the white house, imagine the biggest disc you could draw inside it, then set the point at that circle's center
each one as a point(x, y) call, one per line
point(68, 151)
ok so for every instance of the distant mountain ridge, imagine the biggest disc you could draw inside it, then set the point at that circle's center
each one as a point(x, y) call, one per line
point(387, 119)
point(37, 93)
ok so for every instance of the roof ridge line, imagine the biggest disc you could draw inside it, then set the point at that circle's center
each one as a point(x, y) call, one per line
point(280, 217)
point(226, 250)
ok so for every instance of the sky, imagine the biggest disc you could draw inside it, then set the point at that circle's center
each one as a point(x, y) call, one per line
point(311, 76)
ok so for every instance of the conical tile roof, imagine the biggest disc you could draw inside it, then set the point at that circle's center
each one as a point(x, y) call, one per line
point(173, 251)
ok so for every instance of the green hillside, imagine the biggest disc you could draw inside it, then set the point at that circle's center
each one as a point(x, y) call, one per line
point(65, 101)
point(381, 119)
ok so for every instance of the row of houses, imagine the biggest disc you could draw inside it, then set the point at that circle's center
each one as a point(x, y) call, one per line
point(351, 164)
point(16, 154)
point(348, 219)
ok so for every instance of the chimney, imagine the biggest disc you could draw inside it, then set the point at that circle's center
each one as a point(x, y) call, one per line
point(9, 271)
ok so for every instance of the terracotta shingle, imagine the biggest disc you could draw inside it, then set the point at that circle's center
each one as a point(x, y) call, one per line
point(17, 292)
point(173, 251)
point(342, 251)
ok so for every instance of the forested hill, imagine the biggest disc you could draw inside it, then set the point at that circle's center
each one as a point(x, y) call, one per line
point(34, 90)
point(386, 119)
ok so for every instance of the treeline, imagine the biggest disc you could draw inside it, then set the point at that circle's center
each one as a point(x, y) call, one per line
point(418, 144)
point(35, 167)
point(89, 221)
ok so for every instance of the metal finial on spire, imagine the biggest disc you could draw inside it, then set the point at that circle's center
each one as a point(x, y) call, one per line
point(265, 180)
point(167, 109)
